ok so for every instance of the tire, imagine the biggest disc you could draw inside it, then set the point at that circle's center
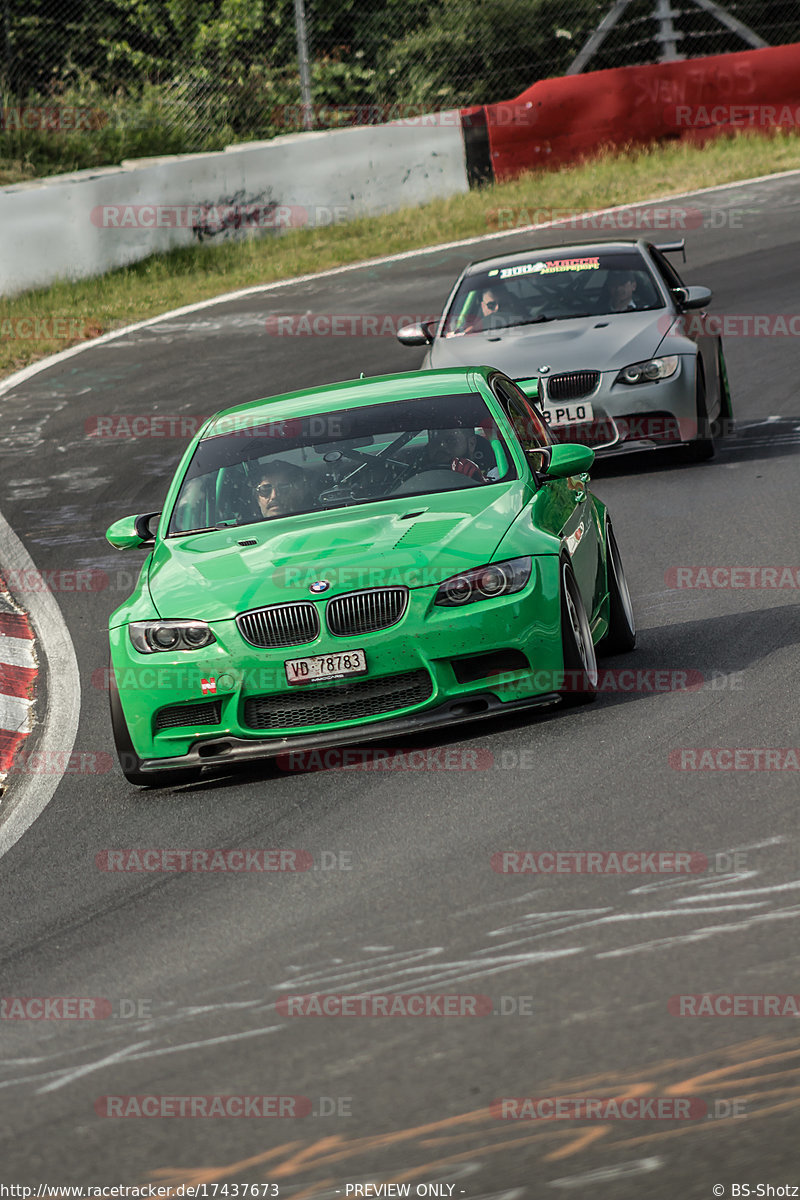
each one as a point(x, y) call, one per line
point(726, 403)
point(129, 761)
point(702, 448)
point(621, 635)
point(580, 663)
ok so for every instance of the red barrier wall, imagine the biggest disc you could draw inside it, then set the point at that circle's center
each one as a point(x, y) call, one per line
point(559, 121)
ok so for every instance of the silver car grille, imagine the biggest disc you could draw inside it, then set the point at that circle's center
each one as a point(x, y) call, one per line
point(279, 625)
point(364, 612)
point(572, 386)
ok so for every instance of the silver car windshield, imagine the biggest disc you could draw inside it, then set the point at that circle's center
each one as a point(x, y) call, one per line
point(249, 473)
point(551, 286)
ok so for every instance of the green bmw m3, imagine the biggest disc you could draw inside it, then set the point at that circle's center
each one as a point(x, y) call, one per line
point(357, 562)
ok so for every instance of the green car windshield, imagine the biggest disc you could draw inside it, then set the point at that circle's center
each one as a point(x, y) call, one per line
point(245, 473)
point(551, 286)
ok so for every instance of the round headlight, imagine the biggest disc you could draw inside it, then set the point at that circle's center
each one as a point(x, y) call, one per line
point(165, 637)
point(652, 370)
point(195, 635)
point(492, 581)
point(458, 590)
point(632, 374)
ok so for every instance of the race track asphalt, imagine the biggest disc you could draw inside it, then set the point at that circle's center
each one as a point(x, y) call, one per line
point(582, 966)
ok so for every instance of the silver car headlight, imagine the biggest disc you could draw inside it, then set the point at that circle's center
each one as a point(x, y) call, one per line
point(149, 637)
point(648, 372)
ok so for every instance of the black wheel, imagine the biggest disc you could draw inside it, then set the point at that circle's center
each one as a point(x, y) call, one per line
point(702, 448)
point(621, 635)
point(129, 761)
point(580, 662)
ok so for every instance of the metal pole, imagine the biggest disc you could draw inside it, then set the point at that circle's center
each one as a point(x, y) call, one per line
point(736, 26)
point(6, 69)
point(667, 34)
point(598, 37)
point(302, 59)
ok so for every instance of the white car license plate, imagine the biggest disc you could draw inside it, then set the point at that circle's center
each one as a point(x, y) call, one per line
point(567, 414)
point(326, 666)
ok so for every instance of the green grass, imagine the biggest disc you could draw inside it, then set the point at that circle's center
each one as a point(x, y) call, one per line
point(90, 307)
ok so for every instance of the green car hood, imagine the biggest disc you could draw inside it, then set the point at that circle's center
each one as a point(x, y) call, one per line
point(411, 540)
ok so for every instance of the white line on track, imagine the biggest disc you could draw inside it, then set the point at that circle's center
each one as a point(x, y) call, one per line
point(60, 723)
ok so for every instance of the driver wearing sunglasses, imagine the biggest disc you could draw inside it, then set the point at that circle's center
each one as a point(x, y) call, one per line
point(495, 310)
point(282, 490)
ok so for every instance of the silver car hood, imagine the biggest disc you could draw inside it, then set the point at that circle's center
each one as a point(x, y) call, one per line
point(581, 344)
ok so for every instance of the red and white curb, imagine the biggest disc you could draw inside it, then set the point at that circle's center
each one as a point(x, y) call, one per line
point(18, 671)
point(26, 660)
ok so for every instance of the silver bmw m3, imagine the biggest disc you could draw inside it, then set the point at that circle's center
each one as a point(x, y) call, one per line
point(605, 337)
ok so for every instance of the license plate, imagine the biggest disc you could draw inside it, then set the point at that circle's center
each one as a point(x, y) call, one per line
point(326, 666)
point(567, 414)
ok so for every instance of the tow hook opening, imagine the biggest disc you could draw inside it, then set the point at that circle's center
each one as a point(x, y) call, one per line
point(214, 749)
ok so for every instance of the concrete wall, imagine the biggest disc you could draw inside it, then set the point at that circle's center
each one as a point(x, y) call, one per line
point(72, 226)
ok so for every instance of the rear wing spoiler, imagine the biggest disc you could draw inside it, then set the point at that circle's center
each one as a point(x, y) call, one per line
point(673, 248)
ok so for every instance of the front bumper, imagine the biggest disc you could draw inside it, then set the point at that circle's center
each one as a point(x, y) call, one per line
point(226, 682)
point(628, 417)
point(223, 750)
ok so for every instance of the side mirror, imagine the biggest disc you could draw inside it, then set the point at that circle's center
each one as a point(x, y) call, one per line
point(567, 459)
point(416, 335)
point(692, 297)
point(130, 533)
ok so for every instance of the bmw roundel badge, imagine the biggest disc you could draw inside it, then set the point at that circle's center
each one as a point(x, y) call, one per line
point(319, 585)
